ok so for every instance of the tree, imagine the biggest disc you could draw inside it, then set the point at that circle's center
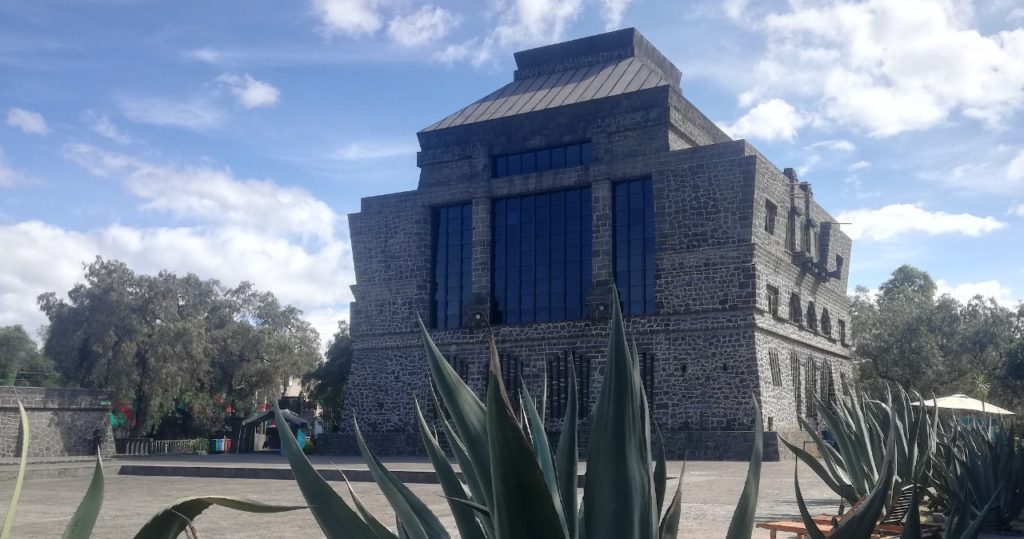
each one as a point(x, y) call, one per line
point(165, 342)
point(21, 363)
point(326, 384)
point(907, 335)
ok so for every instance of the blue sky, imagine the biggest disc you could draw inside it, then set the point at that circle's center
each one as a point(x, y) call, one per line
point(231, 138)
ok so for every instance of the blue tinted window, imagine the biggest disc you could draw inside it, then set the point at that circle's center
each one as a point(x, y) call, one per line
point(542, 256)
point(634, 246)
point(453, 260)
point(572, 155)
point(545, 159)
point(529, 162)
point(515, 165)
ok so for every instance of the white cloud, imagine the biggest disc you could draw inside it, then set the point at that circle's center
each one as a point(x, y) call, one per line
point(205, 54)
point(197, 114)
point(735, 9)
point(30, 122)
point(1016, 208)
point(348, 17)
point(859, 165)
point(473, 50)
point(529, 22)
point(895, 220)
point(102, 125)
point(891, 66)
point(423, 26)
point(1015, 168)
point(838, 145)
point(9, 177)
point(613, 11)
point(357, 151)
point(213, 194)
point(965, 292)
point(281, 238)
point(249, 92)
point(774, 119)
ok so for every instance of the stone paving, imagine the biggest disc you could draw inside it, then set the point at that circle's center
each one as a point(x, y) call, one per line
point(710, 490)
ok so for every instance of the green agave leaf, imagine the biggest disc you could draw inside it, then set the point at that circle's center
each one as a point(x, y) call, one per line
point(416, 518)
point(476, 488)
point(618, 495)
point(379, 529)
point(669, 527)
point(912, 529)
point(742, 524)
point(813, 531)
point(467, 413)
point(863, 518)
point(84, 519)
point(567, 458)
point(522, 504)
point(465, 519)
point(817, 468)
point(5, 532)
point(336, 519)
point(542, 451)
point(660, 471)
point(170, 522)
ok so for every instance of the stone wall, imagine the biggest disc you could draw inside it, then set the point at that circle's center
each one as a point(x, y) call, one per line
point(61, 421)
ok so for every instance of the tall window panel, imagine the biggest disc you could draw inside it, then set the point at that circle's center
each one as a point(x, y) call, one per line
point(542, 256)
point(453, 261)
point(634, 246)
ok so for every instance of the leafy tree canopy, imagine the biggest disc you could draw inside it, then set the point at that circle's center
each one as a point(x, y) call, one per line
point(937, 345)
point(169, 343)
point(21, 363)
point(326, 385)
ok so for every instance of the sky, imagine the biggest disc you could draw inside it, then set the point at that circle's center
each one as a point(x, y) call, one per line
point(231, 139)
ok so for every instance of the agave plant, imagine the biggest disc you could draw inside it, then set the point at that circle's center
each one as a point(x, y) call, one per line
point(859, 425)
point(515, 485)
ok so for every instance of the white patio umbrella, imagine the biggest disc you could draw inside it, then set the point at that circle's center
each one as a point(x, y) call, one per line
point(963, 402)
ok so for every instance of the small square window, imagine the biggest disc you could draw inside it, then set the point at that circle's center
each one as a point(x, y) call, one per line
point(770, 214)
point(773, 300)
point(839, 266)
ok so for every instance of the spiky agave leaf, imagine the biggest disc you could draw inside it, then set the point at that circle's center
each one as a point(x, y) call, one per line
point(84, 519)
point(465, 519)
point(468, 415)
point(522, 504)
point(170, 522)
point(742, 524)
point(5, 532)
point(669, 527)
point(379, 529)
point(618, 494)
point(567, 459)
point(417, 520)
point(542, 450)
point(336, 519)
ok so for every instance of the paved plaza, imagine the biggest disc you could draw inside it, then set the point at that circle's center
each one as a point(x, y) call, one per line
point(710, 491)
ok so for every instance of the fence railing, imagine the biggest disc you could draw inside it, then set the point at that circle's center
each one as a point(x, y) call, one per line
point(133, 446)
point(148, 446)
point(179, 447)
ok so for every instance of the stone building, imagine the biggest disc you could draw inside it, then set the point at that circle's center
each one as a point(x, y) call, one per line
point(591, 168)
point(62, 421)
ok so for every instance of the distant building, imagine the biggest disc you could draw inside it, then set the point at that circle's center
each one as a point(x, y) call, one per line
point(591, 168)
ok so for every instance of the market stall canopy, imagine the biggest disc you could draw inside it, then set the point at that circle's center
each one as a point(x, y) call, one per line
point(963, 402)
point(289, 416)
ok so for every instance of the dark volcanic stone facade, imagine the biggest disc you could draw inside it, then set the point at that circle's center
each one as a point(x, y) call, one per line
point(716, 337)
point(61, 421)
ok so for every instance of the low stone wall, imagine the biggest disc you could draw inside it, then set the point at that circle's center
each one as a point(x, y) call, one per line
point(691, 445)
point(61, 421)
